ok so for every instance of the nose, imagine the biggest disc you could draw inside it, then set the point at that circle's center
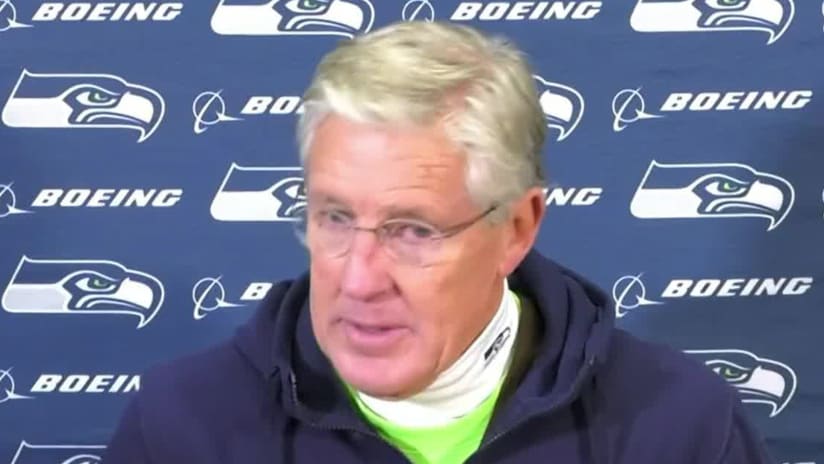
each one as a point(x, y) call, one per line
point(365, 275)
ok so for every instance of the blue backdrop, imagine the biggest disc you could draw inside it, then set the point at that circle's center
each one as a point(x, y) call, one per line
point(147, 164)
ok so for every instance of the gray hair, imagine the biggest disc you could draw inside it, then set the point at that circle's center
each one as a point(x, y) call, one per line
point(416, 72)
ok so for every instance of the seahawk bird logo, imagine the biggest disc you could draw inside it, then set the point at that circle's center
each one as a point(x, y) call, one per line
point(562, 105)
point(711, 190)
point(58, 454)
point(758, 380)
point(770, 16)
point(83, 101)
point(260, 193)
point(42, 286)
point(293, 17)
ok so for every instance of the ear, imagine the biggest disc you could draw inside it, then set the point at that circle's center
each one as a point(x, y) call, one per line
point(521, 228)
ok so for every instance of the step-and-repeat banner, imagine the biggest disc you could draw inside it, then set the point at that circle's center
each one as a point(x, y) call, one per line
point(148, 163)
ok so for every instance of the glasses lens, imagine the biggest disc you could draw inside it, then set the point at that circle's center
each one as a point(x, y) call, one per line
point(411, 242)
point(299, 222)
point(331, 233)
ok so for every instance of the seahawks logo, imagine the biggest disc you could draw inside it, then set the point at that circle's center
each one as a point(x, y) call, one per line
point(293, 17)
point(770, 16)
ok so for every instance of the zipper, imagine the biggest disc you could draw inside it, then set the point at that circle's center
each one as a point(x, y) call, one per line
point(339, 428)
point(486, 444)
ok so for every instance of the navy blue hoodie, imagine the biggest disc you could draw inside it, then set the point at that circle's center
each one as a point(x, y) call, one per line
point(593, 394)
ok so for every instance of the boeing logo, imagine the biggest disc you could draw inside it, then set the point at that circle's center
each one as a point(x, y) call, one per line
point(293, 17)
point(61, 286)
point(711, 190)
point(74, 12)
point(572, 196)
point(208, 294)
point(525, 11)
point(95, 12)
point(8, 17)
point(628, 106)
point(106, 197)
point(758, 380)
point(282, 104)
point(418, 10)
point(629, 293)
point(89, 198)
point(8, 201)
point(85, 383)
point(69, 384)
point(62, 454)
point(7, 387)
point(751, 100)
point(770, 16)
point(82, 101)
point(209, 108)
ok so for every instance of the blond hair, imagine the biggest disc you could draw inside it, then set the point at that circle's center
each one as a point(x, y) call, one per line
point(417, 72)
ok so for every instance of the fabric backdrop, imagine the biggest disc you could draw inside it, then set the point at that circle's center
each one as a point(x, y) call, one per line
point(148, 168)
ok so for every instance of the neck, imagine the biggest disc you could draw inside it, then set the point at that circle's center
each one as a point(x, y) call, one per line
point(464, 385)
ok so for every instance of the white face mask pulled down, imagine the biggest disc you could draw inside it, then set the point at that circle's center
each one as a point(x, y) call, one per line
point(463, 386)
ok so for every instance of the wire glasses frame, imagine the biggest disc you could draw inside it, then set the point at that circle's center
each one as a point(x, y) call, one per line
point(408, 241)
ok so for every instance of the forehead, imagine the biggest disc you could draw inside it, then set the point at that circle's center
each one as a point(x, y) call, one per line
point(381, 164)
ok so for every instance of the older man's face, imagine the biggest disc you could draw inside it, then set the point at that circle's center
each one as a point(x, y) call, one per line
point(390, 328)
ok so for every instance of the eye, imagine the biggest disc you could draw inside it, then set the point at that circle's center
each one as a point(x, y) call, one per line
point(308, 6)
point(726, 188)
point(334, 219)
point(96, 97)
point(96, 284)
point(410, 231)
point(730, 372)
point(727, 4)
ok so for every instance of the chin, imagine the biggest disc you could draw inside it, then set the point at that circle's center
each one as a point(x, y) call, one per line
point(384, 378)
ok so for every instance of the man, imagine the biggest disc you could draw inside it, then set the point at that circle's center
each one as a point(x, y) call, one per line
point(427, 330)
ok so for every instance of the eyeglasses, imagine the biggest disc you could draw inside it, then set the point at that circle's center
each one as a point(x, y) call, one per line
point(408, 241)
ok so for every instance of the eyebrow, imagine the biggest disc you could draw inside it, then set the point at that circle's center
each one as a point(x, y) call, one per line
point(411, 212)
point(389, 212)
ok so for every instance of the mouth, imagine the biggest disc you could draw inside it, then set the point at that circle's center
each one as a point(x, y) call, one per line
point(372, 339)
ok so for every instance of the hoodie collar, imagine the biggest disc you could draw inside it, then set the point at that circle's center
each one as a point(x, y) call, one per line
point(577, 316)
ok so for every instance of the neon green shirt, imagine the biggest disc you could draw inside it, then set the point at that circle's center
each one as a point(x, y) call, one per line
point(452, 443)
